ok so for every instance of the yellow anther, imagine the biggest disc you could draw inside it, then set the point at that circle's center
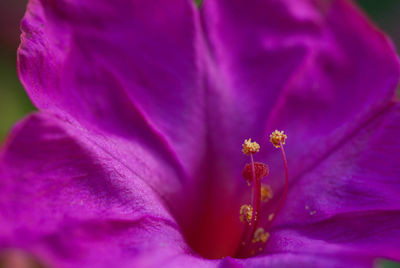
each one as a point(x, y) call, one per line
point(277, 137)
point(271, 216)
point(250, 147)
point(246, 213)
point(260, 236)
point(266, 192)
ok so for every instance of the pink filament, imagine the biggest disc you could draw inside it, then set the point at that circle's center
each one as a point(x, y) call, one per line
point(285, 189)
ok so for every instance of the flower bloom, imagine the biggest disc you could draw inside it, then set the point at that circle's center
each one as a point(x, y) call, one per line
point(133, 159)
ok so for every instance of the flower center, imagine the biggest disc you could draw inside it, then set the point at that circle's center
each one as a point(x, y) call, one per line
point(255, 237)
point(211, 224)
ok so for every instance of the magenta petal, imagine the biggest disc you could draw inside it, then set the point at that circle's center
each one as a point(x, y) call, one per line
point(362, 236)
point(72, 205)
point(316, 69)
point(295, 259)
point(126, 68)
point(351, 200)
point(152, 71)
point(109, 68)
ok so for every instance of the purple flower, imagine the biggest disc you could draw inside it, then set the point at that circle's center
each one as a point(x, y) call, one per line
point(134, 158)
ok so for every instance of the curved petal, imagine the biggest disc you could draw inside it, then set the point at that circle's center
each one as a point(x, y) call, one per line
point(316, 69)
point(352, 199)
point(312, 260)
point(131, 75)
point(290, 64)
point(358, 235)
point(70, 204)
point(125, 68)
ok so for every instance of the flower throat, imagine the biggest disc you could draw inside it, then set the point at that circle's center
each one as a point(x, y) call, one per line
point(255, 237)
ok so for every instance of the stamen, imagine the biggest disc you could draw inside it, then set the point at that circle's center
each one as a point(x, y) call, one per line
point(246, 213)
point(277, 138)
point(250, 147)
point(266, 192)
point(254, 172)
point(260, 236)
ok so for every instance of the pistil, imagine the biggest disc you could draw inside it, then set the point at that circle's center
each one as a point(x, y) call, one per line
point(256, 199)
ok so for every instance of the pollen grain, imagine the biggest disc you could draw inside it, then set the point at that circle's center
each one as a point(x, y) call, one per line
point(277, 138)
point(266, 192)
point(260, 235)
point(271, 216)
point(250, 147)
point(246, 213)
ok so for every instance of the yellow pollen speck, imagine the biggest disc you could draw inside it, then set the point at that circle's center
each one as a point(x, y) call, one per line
point(260, 236)
point(266, 192)
point(271, 216)
point(250, 147)
point(246, 213)
point(277, 137)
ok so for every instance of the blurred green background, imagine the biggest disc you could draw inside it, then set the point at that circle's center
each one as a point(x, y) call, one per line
point(14, 102)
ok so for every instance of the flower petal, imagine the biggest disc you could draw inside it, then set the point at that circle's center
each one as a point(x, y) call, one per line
point(319, 70)
point(358, 235)
point(70, 204)
point(316, 69)
point(82, 62)
point(126, 68)
point(292, 260)
point(351, 200)
point(132, 74)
